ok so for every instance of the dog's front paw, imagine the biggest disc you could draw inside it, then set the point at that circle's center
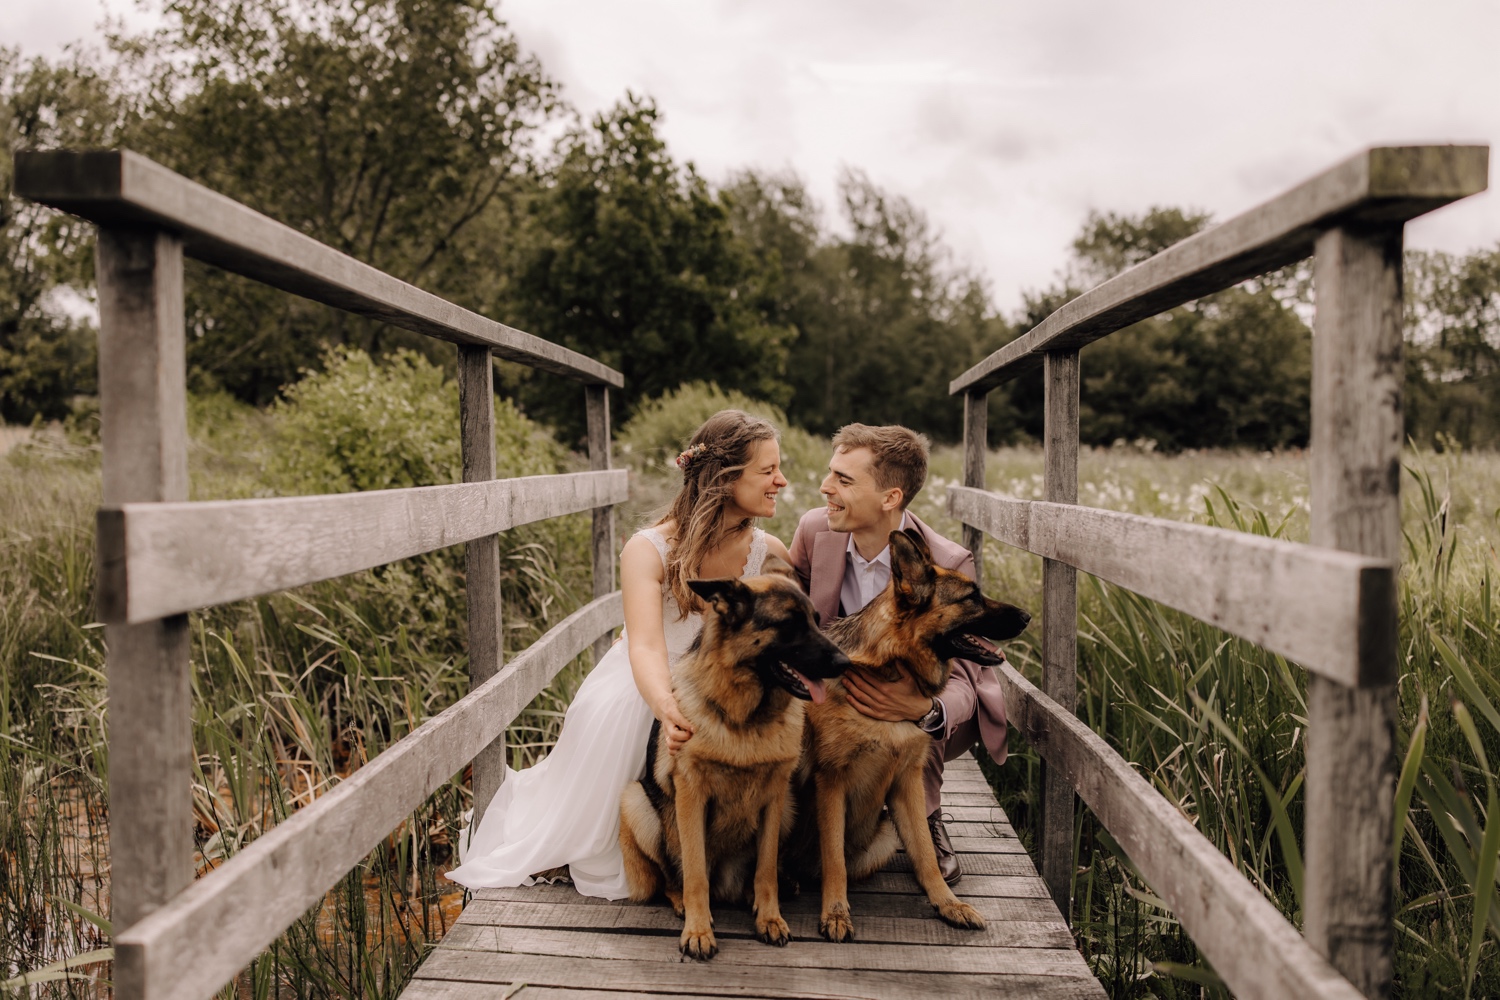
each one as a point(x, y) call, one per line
point(960, 914)
point(698, 942)
point(772, 930)
point(835, 924)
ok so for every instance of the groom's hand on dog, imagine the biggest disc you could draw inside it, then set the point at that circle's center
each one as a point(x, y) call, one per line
point(888, 701)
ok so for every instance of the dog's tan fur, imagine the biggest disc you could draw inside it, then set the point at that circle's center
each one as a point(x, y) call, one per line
point(700, 820)
point(857, 764)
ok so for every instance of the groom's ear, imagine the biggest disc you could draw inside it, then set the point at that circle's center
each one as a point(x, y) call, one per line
point(731, 600)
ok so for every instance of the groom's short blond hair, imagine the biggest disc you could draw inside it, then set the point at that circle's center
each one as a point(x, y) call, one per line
point(899, 455)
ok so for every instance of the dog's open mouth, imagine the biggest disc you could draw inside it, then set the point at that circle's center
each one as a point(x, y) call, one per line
point(962, 646)
point(801, 685)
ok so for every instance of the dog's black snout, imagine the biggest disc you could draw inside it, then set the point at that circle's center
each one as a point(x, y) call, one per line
point(1025, 618)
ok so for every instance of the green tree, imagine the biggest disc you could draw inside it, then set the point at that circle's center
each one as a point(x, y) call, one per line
point(1453, 347)
point(1109, 242)
point(883, 318)
point(630, 258)
point(1232, 369)
point(397, 131)
point(46, 356)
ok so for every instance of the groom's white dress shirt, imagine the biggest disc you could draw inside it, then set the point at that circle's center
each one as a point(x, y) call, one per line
point(864, 579)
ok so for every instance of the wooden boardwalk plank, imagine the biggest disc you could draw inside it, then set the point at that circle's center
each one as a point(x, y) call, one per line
point(738, 924)
point(448, 989)
point(563, 945)
point(500, 941)
point(913, 905)
point(483, 972)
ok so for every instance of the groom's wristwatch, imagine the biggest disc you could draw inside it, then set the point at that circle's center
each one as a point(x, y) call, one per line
point(933, 721)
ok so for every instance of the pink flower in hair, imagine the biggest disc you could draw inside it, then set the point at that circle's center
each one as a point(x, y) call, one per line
point(687, 458)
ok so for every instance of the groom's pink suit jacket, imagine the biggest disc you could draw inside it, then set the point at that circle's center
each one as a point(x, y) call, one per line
point(973, 699)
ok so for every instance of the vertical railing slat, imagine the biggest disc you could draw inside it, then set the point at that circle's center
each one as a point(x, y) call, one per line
point(603, 540)
point(476, 407)
point(976, 443)
point(1059, 616)
point(1356, 506)
point(143, 425)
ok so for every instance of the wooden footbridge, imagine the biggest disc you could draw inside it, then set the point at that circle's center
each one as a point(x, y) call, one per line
point(558, 942)
point(1329, 606)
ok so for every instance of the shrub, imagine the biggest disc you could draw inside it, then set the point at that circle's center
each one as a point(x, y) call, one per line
point(662, 426)
point(360, 424)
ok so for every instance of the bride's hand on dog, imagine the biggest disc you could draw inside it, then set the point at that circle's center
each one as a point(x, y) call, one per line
point(888, 701)
point(673, 723)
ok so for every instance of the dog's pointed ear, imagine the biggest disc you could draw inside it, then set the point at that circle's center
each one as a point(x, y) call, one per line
point(731, 600)
point(912, 571)
point(777, 566)
point(920, 541)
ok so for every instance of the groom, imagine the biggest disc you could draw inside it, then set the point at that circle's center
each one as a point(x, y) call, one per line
point(841, 552)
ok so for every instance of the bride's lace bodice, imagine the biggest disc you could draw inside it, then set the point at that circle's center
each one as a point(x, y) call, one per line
point(680, 631)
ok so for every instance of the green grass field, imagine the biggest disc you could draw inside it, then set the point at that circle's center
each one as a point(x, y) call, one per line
point(293, 691)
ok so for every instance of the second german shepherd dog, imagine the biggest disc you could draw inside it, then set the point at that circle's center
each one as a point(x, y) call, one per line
point(700, 820)
point(926, 617)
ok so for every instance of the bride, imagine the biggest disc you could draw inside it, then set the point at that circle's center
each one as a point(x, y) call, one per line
point(566, 809)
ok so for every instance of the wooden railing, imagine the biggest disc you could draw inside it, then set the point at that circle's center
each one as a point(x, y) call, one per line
point(1330, 606)
point(161, 557)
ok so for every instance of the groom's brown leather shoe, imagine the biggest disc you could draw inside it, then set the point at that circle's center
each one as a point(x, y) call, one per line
point(947, 858)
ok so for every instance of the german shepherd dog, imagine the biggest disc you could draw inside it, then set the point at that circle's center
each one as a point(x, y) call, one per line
point(701, 819)
point(926, 617)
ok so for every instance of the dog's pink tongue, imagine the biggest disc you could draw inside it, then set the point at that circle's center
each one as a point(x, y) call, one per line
point(814, 688)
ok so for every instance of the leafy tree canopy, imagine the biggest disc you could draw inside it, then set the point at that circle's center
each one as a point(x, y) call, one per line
point(1453, 348)
point(46, 356)
point(1232, 369)
point(408, 133)
point(630, 258)
point(393, 130)
point(883, 317)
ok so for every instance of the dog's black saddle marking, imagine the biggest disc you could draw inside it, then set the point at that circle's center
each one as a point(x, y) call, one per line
point(654, 794)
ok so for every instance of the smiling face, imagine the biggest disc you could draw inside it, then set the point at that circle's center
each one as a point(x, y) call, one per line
point(854, 500)
point(754, 492)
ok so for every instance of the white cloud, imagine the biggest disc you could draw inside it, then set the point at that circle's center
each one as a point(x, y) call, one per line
point(1008, 121)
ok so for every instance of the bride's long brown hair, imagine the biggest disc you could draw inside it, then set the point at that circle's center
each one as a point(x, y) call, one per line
point(714, 459)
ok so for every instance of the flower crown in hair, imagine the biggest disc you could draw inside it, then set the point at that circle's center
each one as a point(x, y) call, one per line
point(694, 454)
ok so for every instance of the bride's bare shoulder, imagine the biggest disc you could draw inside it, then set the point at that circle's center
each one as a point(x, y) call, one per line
point(776, 547)
point(640, 560)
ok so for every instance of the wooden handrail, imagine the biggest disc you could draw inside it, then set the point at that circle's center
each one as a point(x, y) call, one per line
point(1250, 945)
point(117, 188)
point(199, 940)
point(160, 556)
point(1333, 612)
point(160, 559)
point(1383, 185)
point(1327, 610)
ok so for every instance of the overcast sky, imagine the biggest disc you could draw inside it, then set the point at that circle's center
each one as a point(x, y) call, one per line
point(1007, 121)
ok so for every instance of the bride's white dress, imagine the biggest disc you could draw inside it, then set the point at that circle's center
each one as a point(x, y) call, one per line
point(565, 810)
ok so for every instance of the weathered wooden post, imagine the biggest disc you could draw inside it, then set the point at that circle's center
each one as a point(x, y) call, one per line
point(1356, 506)
point(603, 542)
point(476, 410)
point(976, 443)
point(1059, 615)
point(143, 429)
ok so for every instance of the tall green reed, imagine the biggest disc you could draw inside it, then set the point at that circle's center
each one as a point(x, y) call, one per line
point(292, 693)
point(1218, 726)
